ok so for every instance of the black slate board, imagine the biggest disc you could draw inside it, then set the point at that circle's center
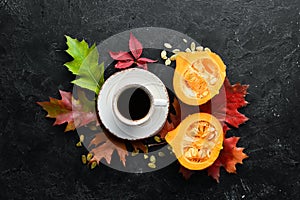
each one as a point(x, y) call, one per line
point(259, 42)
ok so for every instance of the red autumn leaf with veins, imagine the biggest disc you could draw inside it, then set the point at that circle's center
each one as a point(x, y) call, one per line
point(226, 104)
point(229, 156)
point(126, 59)
point(68, 110)
point(105, 145)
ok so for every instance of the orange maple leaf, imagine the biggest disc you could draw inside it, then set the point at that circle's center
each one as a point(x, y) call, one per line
point(68, 110)
point(105, 145)
point(229, 156)
point(226, 104)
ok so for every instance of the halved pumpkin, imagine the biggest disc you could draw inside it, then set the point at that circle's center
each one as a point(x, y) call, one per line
point(197, 141)
point(198, 76)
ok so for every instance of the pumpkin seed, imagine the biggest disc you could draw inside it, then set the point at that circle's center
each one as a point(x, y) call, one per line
point(146, 156)
point(201, 153)
point(167, 45)
point(184, 40)
point(83, 159)
point(176, 50)
point(89, 156)
point(81, 138)
point(173, 57)
point(152, 159)
point(169, 147)
point(188, 154)
point(207, 49)
point(211, 136)
point(163, 55)
point(208, 153)
point(188, 50)
point(168, 62)
point(79, 144)
point(93, 165)
point(193, 46)
point(213, 81)
point(205, 93)
point(151, 165)
point(134, 153)
point(161, 154)
point(157, 139)
point(199, 48)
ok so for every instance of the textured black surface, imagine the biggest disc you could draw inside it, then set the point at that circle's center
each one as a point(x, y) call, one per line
point(259, 42)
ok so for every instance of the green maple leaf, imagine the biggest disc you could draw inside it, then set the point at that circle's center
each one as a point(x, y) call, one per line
point(85, 65)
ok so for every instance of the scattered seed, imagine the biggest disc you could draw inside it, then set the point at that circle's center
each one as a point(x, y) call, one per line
point(184, 40)
point(168, 62)
point(93, 165)
point(81, 138)
point(173, 57)
point(188, 154)
point(134, 153)
point(205, 93)
point(199, 48)
point(163, 55)
point(161, 154)
point(151, 165)
point(171, 152)
point(89, 156)
point(193, 46)
point(169, 147)
point(211, 136)
point(213, 81)
point(157, 139)
point(146, 156)
point(207, 49)
point(83, 159)
point(208, 152)
point(176, 50)
point(152, 159)
point(79, 144)
point(188, 50)
point(167, 45)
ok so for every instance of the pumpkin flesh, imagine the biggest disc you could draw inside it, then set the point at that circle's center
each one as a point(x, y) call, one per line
point(197, 141)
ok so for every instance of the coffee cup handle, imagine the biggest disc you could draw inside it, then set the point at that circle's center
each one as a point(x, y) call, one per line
point(160, 102)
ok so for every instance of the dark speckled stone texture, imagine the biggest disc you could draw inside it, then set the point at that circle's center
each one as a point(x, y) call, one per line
point(259, 42)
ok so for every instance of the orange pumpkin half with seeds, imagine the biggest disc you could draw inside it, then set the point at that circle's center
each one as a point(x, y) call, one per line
point(198, 76)
point(197, 141)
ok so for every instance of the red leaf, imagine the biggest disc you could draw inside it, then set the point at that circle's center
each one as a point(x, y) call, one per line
point(68, 110)
point(145, 60)
point(135, 46)
point(122, 55)
point(227, 102)
point(144, 66)
point(124, 64)
point(105, 146)
point(186, 173)
point(229, 156)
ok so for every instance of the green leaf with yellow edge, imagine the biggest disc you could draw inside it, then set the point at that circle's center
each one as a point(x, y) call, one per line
point(90, 74)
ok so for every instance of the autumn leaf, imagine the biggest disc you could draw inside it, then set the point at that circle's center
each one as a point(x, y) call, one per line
point(69, 110)
point(175, 120)
point(186, 173)
point(85, 65)
point(225, 105)
point(105, 145)
point(229, 156)
point(126, 59)
point(139, 145)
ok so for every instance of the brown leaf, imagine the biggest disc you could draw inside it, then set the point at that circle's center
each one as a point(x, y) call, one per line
point(186, 173)
point(138, 144)
point(105, 145)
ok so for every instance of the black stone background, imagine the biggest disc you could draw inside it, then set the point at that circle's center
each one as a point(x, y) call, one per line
point(259, 42)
